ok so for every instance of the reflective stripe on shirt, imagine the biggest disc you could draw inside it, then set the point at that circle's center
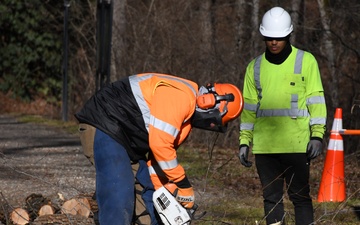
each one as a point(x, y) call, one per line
point(166, 127)
point(135, 87)
point(298, 62)
point(167, 165)
point(293, 112)
point(246, 126)
point(257, 75)
point(315, 100)
point(250, 107)
point(317, 121)
point(156, 170)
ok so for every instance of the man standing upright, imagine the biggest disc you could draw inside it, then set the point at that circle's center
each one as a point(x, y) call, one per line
point(283, 120)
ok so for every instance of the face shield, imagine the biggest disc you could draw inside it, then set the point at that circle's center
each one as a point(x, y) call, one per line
point(208, 120)
point(207, 115)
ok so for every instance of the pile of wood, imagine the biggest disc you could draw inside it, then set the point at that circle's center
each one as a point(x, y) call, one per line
point(40, 210)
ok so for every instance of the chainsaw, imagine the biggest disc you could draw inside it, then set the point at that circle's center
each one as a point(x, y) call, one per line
point(171, 211)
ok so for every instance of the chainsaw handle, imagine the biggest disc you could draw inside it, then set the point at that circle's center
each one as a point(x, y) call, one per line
point(192, 212)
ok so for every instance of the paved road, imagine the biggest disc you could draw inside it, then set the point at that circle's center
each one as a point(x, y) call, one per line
point(41, 159)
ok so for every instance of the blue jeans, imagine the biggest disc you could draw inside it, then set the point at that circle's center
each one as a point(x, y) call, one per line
point(143, 178)
point(293, 169)
point(115, 181)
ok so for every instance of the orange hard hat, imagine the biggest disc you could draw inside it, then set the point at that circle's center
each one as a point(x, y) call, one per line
point(227, 98)
point(232, 109)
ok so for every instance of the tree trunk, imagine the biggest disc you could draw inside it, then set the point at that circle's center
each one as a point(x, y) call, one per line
point(255, 25)
point(296, 9)
point(206, 26)
point(329, 50)
point(118, 46)
point(207, 38)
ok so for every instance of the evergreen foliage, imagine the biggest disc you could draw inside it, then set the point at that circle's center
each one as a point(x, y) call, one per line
point(31, 42)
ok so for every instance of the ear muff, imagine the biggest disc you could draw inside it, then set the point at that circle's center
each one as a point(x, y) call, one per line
point(209, 100)
point(206, 101)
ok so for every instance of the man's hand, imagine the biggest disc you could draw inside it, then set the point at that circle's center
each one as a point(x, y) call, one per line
point(186, 197)
point(243, 155)
point(183, 192)
point(314, 148)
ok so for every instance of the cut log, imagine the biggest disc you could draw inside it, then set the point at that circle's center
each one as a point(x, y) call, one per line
point(19, 216)
point(46, 210)
point(92, 200)
point(76, 206)
point(33, 204)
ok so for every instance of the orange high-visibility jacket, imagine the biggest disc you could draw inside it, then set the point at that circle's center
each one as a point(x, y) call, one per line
point(167, 103)
point(146, 112)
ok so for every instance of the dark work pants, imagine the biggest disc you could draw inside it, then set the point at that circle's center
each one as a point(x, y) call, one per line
point(115, 182)
point(273, 170)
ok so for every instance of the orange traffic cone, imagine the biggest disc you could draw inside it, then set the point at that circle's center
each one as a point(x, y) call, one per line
point(332, 186)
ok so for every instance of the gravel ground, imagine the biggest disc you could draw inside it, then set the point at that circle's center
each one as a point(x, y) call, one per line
point(43, 160)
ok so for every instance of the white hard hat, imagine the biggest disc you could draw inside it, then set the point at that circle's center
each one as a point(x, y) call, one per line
point(276, 23)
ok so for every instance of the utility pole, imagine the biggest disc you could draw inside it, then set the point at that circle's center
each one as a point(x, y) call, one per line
point(104, 16)
point(65, 63)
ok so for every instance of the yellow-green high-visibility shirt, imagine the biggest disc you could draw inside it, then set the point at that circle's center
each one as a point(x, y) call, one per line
point(284, 104)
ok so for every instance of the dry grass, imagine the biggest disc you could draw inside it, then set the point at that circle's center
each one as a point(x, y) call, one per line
point(231, 193)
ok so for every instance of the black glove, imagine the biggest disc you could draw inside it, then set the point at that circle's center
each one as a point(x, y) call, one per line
point(243, 155)
point(314, 148)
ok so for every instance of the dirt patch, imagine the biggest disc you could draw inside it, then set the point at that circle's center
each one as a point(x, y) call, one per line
point(37, 158)
point(41, 159)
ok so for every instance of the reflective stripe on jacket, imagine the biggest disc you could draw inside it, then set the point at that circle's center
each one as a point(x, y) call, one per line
point(284, 104)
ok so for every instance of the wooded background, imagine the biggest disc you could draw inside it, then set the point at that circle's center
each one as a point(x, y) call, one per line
point(205, 41)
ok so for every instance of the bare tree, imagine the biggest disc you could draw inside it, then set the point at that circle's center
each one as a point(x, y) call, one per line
point(295, 9)
point(255, 24)
point(206, 47)
point(328, 49)
point(118, 44)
